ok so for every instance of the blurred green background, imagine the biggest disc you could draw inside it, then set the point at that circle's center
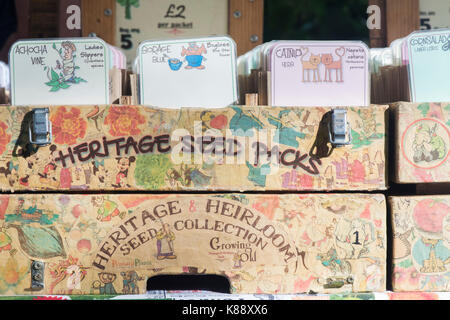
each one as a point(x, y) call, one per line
point(315, 20)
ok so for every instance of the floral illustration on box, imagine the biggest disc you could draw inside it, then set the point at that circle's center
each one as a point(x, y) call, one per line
point(151, 170)
point(422, 244)
point(425, 143)
point(124, 120)
point(68, 125)
point(12, 273)
point(69, 270)
point(5, 138)
point(62, 76)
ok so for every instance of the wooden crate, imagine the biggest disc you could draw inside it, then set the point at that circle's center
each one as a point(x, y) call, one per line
point(240, 148)
point(421, 242)
point(422, 142)
point(263, 243)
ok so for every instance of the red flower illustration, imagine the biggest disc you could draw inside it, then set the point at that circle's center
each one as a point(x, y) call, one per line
point(124, 121)
point(4, 137)
point(67, 126)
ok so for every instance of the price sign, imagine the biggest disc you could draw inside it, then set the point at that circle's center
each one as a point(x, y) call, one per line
point(434, 14)
point(137, 21)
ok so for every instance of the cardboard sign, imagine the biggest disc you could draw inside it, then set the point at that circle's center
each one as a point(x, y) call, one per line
point(137, 21)
point(113, 147)
point(112, 243)
point(59, 71)
point(429, 65)
point(421, 226)
point(318, 73)
point(198, 72)
point(434, 14)
point(422, 142)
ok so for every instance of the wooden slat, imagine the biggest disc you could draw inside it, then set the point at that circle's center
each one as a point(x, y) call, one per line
point(378, 36)
point(402, 18)
point(249, 23)
point(94, 19)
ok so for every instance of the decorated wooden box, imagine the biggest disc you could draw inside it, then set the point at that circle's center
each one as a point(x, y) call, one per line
point(422, 142)
point(262, 243)
point(421, 243)
point(238, 148)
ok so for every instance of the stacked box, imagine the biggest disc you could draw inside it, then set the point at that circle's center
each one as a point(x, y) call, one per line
point(422, 143)
point(97, 232)
point(237, 148)
point(263, 243)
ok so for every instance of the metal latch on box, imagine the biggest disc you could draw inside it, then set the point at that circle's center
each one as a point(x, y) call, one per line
point(339, 128)
point(37, 275)
point(40, 129)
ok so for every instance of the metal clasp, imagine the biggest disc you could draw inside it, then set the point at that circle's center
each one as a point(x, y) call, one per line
point(40, 129)
point(339, 128)
point(37, 275)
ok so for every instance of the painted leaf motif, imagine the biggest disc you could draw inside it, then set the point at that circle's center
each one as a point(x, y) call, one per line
point(424, 108)
point(405, 264)
point(52, 83)
point(63, 85)
point(40, 243)
point(55, 76)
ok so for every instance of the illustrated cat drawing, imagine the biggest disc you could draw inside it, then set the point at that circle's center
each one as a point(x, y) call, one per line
point(331, 64)
point(311, 65)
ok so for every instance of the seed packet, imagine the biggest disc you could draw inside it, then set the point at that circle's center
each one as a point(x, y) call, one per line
point(197, 72)
point(60, 71)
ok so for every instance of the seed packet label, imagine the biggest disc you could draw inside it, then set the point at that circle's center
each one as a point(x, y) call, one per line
point(429, 65)
point(59, 71)
point(188, 73)
point(319, 74)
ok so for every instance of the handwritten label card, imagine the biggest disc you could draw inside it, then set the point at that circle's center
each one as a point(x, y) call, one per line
point(429, 65)
point(319, 73)
point(59, 71)
point(198, 72)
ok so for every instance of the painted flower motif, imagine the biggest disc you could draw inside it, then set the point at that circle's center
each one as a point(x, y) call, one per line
point(413, 296)
point(67, 126)
point(409, 274)
point(124, 120)
point(4, 137)
point(267, 205)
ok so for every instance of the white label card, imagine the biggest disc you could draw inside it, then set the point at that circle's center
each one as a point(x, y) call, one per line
point(59, 71)
point(188, 73)
point(319, 73)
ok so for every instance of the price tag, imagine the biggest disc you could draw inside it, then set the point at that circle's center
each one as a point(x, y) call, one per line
point(434, 14)
point(72, 71)
point(137, 21)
